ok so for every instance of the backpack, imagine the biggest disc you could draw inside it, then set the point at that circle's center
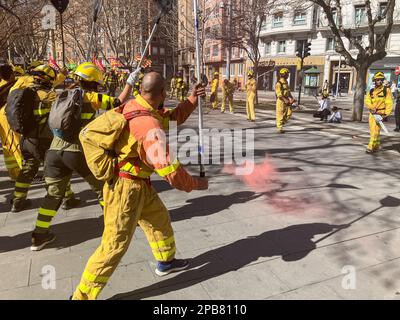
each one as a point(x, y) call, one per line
point(21, 103)
point(98, 140)
point(65, 115)
point(4, 92)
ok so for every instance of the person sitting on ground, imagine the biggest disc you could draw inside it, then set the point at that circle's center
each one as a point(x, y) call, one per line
point(336, 116)
point(324, 107)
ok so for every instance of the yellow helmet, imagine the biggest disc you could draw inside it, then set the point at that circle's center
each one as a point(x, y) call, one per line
point(18, 70)
point(216, 74)
point(379, 76)
point(88, 71)
point(34, 64)
point(45, 71)
point(250, 73)
point(284, 71)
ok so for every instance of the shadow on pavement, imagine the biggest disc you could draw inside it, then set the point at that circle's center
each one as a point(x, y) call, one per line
point(68, 234)
point(208, 205)
point(291, 244)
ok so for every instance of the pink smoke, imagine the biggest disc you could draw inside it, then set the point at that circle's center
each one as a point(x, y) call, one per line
point(265, 179)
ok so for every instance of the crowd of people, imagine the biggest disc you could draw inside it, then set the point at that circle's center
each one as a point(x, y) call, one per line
point(43, 121)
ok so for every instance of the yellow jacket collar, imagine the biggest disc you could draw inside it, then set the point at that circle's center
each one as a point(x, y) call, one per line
point(140, 100)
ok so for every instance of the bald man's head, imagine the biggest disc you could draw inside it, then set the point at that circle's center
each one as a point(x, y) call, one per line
point(153, 84)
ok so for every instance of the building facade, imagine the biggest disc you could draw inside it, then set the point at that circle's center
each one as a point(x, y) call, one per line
point(286, 29)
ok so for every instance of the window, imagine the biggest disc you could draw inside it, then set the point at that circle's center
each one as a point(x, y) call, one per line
point(359, 15)
point(382, 8)
point(240, 69)
point(278, 20)
point(334, 15)
point(215, 50)
point(267, 48)
point(162, 51)
point(232, 69)
point(154, 51)
point(299, 18)
point(330, 44)
point(281, 46)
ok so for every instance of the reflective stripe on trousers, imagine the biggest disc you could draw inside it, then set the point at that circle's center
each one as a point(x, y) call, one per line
point(127, 203)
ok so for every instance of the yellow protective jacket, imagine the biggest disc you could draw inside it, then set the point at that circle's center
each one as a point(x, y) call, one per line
point(251, 86)
point(173, 83)
point(228, 89)
point(136, 147)
point(214, 85)
point(282, 89)
point(380, 100)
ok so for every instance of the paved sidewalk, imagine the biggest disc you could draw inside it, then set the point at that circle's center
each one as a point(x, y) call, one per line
point(326, 226)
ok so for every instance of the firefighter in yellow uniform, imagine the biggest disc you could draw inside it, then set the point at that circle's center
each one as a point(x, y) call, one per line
point(65, 156)
point(183, 91)
point(251, 90)
point(34, 145)
point(284, 100)
point(173, 87)
point(9, 140)
point(179, 86)
point(214, 91)
point(130, 199)
point(228, 89)
point(380, 104)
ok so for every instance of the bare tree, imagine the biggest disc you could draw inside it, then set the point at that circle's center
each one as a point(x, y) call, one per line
point(21, 29)
point(378, 28)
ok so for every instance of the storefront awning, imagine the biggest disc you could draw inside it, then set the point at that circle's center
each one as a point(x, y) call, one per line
point(286, 61)
point(312, 70)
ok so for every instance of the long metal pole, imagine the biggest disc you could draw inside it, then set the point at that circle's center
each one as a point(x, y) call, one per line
point(338, 77)
point(150, 39)
point(301, 73)
point(62, 39)
point(229, 47)
point(200, 106)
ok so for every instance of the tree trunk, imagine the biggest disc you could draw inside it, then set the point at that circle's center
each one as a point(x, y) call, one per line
point(256, 78)
point(359, 94)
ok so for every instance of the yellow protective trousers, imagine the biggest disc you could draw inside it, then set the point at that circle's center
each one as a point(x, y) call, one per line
point(250, 106)
point(215, 103)
point(283, 114)
point(230, 99)
point(126, 204)
point(375, 131)
point(10, 142)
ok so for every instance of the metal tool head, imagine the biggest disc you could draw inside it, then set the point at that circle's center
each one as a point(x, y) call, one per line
point(165, 6)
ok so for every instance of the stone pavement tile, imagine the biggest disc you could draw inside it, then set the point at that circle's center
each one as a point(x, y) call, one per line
point(357, 252)
point(204, 264)
point(88, 244)
point(249, 283)
point(25, 218)
point(203, 237)
point(377, 282)
point(62, 292)
point(194, 219)
point(318, 291)
point(191, 292)
point(3, 218)
point(15, 274)
point(66, 265)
